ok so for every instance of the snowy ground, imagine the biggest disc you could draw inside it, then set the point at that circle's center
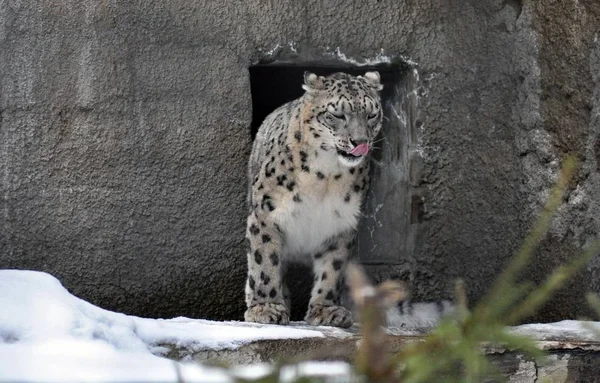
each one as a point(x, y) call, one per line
point(49, 335)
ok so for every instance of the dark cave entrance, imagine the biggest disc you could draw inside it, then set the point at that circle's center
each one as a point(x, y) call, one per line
point(272, 85)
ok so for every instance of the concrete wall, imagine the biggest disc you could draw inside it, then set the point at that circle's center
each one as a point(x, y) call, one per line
point(125, 129)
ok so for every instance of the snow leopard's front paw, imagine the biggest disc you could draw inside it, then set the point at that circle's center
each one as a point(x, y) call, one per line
point(337, 316)
point(269, 313)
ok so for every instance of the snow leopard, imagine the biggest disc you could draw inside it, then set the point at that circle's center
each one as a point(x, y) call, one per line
point(308, 176)
point(308, 173)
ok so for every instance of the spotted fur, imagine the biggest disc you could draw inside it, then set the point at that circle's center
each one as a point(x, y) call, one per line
point(305, 194)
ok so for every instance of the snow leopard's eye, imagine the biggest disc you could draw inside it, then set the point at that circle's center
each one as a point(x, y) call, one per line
point(338, 116)
point(372, 115)
point(335, 113)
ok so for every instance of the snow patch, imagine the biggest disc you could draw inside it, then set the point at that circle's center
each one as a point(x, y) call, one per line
point(89, 361)
point(566, 330)
point(49, 335)
point(380, 58)
point(36, 307)
point(272, 52)
point(75, 360)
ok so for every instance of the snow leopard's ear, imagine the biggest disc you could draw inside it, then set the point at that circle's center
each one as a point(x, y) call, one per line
point(373, 79)
point(312, 82)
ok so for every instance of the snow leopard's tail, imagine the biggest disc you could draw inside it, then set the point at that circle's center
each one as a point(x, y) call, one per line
point(418, 315)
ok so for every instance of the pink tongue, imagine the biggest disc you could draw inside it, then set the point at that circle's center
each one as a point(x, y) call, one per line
point(360, 150)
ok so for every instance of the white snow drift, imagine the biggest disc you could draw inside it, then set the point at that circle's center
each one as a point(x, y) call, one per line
point(49, 335)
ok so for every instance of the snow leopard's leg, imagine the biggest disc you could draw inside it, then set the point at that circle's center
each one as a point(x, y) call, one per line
point(264, 290)
point(287, 296)
point(329, 268)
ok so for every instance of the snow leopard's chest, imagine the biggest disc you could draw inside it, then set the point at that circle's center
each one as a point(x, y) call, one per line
point(318, 214)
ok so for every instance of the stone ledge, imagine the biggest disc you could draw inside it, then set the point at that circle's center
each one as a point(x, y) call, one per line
point(573, 356)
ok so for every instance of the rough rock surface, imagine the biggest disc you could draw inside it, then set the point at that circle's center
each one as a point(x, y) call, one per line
point(573, 351)
point(125, 130)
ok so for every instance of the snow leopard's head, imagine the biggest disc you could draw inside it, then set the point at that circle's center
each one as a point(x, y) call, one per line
point(348, 108)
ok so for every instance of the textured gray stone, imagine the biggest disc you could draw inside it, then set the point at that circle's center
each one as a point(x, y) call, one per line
point(125, 128)
point(572, 352)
